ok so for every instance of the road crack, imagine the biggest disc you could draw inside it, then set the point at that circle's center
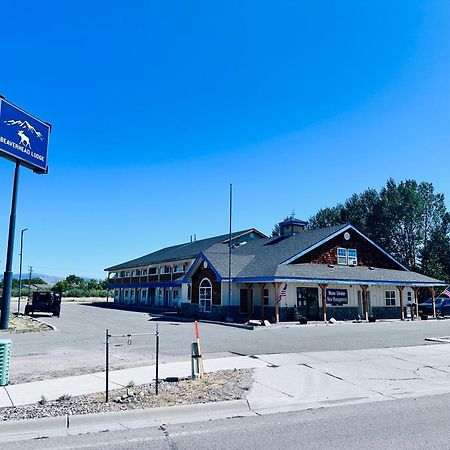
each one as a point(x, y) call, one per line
point(169, 441)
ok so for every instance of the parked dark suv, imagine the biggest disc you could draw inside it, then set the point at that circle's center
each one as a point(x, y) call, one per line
point(44, 302)
point(442, 307)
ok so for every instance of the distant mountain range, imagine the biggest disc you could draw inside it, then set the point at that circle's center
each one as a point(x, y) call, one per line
point(49, 279)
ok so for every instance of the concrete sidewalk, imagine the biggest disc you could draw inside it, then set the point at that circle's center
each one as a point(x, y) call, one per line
point(282, 383)
point(283, 380)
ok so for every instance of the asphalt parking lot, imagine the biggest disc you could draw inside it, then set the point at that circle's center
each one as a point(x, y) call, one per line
point(78, 344)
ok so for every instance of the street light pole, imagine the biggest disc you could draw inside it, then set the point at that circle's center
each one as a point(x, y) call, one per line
point(20, 270)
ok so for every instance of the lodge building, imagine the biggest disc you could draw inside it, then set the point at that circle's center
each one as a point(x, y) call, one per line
point(317, 274)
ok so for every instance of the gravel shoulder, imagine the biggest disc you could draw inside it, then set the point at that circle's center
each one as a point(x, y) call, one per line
point(25, 324)
point(214, 387)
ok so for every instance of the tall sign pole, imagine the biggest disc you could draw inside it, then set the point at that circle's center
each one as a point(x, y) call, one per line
point(7, 277)
point(20, 269)
point(24, 141)
point(229, 248)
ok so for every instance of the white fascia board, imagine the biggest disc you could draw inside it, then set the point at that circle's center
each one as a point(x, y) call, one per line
point(337, 233)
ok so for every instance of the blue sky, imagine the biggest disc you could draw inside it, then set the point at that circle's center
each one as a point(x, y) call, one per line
point(157, 106)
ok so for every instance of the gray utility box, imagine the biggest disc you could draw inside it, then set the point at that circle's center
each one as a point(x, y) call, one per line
point(5, 357)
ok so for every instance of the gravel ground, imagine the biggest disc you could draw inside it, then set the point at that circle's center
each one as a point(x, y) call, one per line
point(25, 324)
point(214, 387)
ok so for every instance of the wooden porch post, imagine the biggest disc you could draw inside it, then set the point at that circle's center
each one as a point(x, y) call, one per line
point(249, 300)
point(277, 307)
point(433, 294)
point(261, 295)
point(402, 312)
point(323, 288)
point(416, 299)
point(365, 288)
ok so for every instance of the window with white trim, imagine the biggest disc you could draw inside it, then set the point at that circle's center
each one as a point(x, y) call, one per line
point(342, 256)
point(347, 257)
point(390, 298)
point(409, 297)
point(205, 296)
point(352, 258)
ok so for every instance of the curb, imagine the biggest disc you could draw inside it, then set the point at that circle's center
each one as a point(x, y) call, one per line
point(17, 430)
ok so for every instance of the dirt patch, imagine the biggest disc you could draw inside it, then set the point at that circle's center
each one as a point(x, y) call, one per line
point(25, 324)
point(214, 387)
point(86, 299)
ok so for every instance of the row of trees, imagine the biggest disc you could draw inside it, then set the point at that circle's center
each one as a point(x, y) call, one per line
point(408, 219)
point(74, 286)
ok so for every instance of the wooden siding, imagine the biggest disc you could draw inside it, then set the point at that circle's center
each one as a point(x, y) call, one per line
point(368, 254)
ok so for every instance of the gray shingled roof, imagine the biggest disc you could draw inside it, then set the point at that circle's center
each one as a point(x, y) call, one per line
point(177, 252)
point(349, 274)
point(263, 258)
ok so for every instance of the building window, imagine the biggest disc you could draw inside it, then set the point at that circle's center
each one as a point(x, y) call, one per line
point(144, 294)
point(352, 259)
point(347, 257)
point(122, 274)
point(205, 295)
point(185, 267)
point(266, 297)
point(166, 269)
point(126, 293)
point(390, 298)
point(342, 256)
point(175, 294)
point(138, 272)
point(152, 271)
point(144, 272)
point(128, 274)
point(189, 291)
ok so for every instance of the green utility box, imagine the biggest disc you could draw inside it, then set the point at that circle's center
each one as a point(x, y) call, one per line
point(5, 356)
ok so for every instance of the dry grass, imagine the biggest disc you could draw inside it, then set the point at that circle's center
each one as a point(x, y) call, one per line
point(25, 324)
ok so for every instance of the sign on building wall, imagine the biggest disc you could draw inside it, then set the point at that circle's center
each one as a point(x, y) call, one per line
point(337, 297)
point(23, 137)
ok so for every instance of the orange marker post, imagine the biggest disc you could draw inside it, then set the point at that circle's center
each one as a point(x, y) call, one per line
point(200, 357)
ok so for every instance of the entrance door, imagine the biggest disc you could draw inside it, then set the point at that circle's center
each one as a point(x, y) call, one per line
point(308, 302)
point(166, 297)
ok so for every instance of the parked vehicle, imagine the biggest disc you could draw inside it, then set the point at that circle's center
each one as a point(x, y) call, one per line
point(442, 307)
point(44, 302)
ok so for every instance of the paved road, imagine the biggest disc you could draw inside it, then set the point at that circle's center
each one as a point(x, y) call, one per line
point(78, 345)
point(400, 424)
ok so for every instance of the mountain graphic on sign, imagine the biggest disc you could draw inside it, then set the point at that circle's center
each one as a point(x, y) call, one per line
point(26, 126)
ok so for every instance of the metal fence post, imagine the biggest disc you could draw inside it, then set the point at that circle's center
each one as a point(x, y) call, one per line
point(157, 359)
point(107, 366)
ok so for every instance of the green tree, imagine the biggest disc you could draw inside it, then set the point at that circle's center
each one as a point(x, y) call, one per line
point(408, 219)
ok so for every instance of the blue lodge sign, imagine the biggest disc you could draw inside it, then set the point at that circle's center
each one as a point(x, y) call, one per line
point(337, 297)
point(23, 137)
